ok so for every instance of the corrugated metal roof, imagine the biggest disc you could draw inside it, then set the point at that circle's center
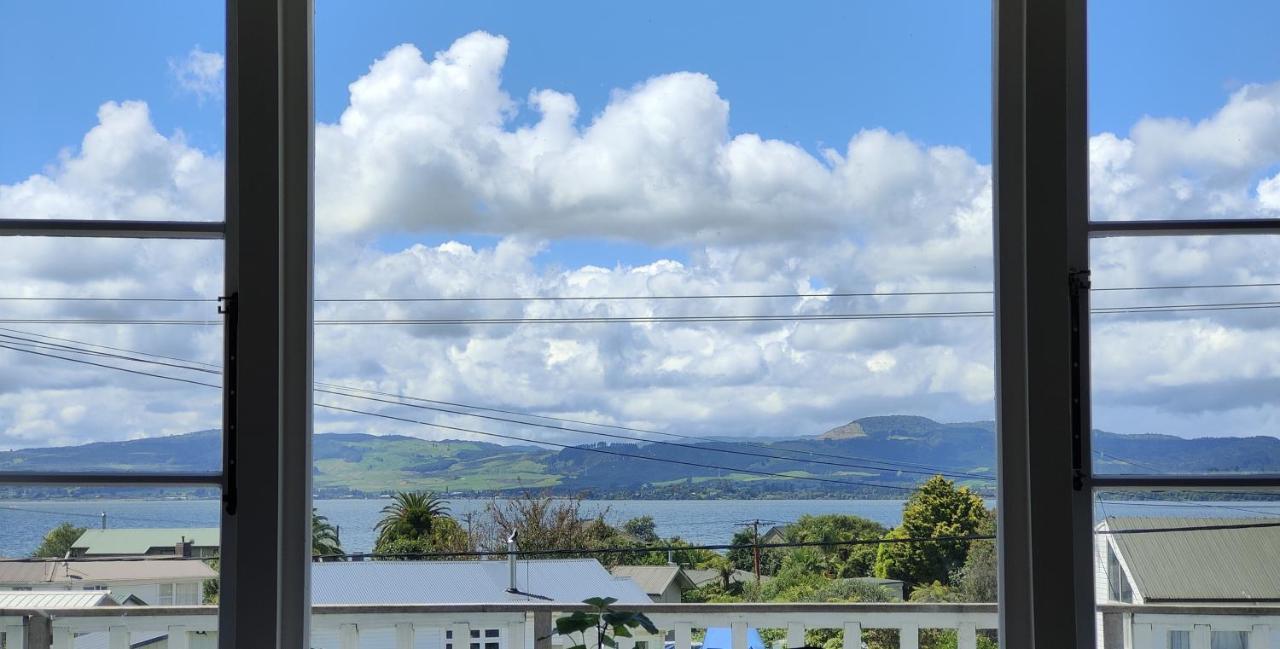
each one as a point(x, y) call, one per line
point(136, 541)
point(654, 580)
point(55, 598)
point(1205, 565)
point(466, 582)
point(104, 570)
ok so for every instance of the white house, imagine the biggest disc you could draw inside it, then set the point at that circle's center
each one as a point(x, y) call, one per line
point(662, 583)
point(1239, 566)
point(461, 582)
point(157, 582)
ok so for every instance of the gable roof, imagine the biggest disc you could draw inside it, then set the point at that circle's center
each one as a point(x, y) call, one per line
point(55, 598)
point(654, 580)
point(136, 541)
point(466, 582)
point(102, 570)
point(1231, 565)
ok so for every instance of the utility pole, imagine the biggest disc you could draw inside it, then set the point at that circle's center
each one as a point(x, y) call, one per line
point(755, 527)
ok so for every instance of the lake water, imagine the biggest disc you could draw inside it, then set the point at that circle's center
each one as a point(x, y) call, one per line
point(24, 523)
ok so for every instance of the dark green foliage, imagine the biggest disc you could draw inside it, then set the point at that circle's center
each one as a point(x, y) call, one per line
point(608, 623)
point(324, 536)
point(936, 509)
point(58, 541)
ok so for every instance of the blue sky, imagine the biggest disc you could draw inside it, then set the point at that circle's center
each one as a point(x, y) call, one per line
point(920, 67)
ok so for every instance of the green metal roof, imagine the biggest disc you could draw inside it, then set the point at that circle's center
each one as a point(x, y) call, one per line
point(138, 540)
point(1205, 565)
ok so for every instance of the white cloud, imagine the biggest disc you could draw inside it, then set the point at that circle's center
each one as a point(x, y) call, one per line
point(438, 145)
point(200, 73)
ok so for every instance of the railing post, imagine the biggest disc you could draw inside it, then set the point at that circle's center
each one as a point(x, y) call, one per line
point(1260, 636)
point(62, 638)
point(967, 636)
point(909, 636)
point(179, 638)
point(1113, 630)
point(349, 636)
point(738, 631)
point(15, 637)
point(404, 635)
point(543, 630)
point(684, 635)
point(795, 635)
point(461, 635)
point(39, 633)
point(1200, 636)
point(118, 637)
point(515, 635)
point(852, 635)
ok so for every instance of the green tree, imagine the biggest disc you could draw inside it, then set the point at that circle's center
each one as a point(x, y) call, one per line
point(936, 509)
point(411, 514)
point(210, 588)
point(446, 535)
point(976, 579)
point(58, 541)
point(642, 528)
point(324, 536)
point(839, 559)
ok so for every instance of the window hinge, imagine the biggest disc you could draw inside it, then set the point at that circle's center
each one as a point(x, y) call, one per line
point(227, 307)
point(1079, 299)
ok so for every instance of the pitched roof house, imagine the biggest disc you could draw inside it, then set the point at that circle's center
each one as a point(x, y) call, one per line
point(158, 582)
point(124, 542)
point(661, 583)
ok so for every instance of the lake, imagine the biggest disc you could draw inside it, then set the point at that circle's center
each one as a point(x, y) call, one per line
point(24, 523)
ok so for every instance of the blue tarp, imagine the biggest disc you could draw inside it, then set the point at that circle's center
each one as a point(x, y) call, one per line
point(721, 638)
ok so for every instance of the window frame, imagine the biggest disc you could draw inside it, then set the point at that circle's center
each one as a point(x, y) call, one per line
point(1042, 233)
point(267, 230)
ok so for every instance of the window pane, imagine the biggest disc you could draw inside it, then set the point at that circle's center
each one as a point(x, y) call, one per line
point(1183, 555)
point(111, 355)
point(1186, 367)
point(630, 277)
point(1179, 133)
point(112, 111)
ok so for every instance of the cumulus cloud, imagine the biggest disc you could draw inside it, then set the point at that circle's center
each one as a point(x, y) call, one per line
point(436, 145)
point(200, 73)
point(433, 145)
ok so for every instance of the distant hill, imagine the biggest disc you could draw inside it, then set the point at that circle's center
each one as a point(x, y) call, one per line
point(852, 460)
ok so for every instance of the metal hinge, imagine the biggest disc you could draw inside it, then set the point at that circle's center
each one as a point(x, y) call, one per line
point(230, 429)
point(1079, 299)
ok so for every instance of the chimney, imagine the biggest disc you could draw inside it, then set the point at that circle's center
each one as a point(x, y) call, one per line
point(182, 548)
point(511, 561)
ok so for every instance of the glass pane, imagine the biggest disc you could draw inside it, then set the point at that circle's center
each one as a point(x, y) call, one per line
point(112, 111)
point(111, 353)
point(1186, 368)
point(1182, 556)
point(1183, 110)
point(631, 278)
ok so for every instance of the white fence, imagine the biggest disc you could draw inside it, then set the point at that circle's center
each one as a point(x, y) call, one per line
point(517, 625)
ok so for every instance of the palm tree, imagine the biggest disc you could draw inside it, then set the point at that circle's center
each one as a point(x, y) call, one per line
point(411, 514)
point(324, 536)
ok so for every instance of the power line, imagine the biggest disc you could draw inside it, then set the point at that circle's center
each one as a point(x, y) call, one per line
point(110, 367)
point(617, 436)
point(613, 298)
point(923, 469)
point(614, 453)
point(694, 319)
point(893, 465)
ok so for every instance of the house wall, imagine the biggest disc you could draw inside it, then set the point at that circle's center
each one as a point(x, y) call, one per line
point(671, 595)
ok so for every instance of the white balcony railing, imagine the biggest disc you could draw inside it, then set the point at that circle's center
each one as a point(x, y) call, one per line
point(528, 625)
point(1152, 626)
point(508, 625)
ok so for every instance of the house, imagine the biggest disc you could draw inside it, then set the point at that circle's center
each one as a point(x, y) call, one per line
point(775, 534)
point(1238, 566)
point(461, 582)
point(55, 599)
point(157, 582)
point(662, 583)
point(132, 542)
